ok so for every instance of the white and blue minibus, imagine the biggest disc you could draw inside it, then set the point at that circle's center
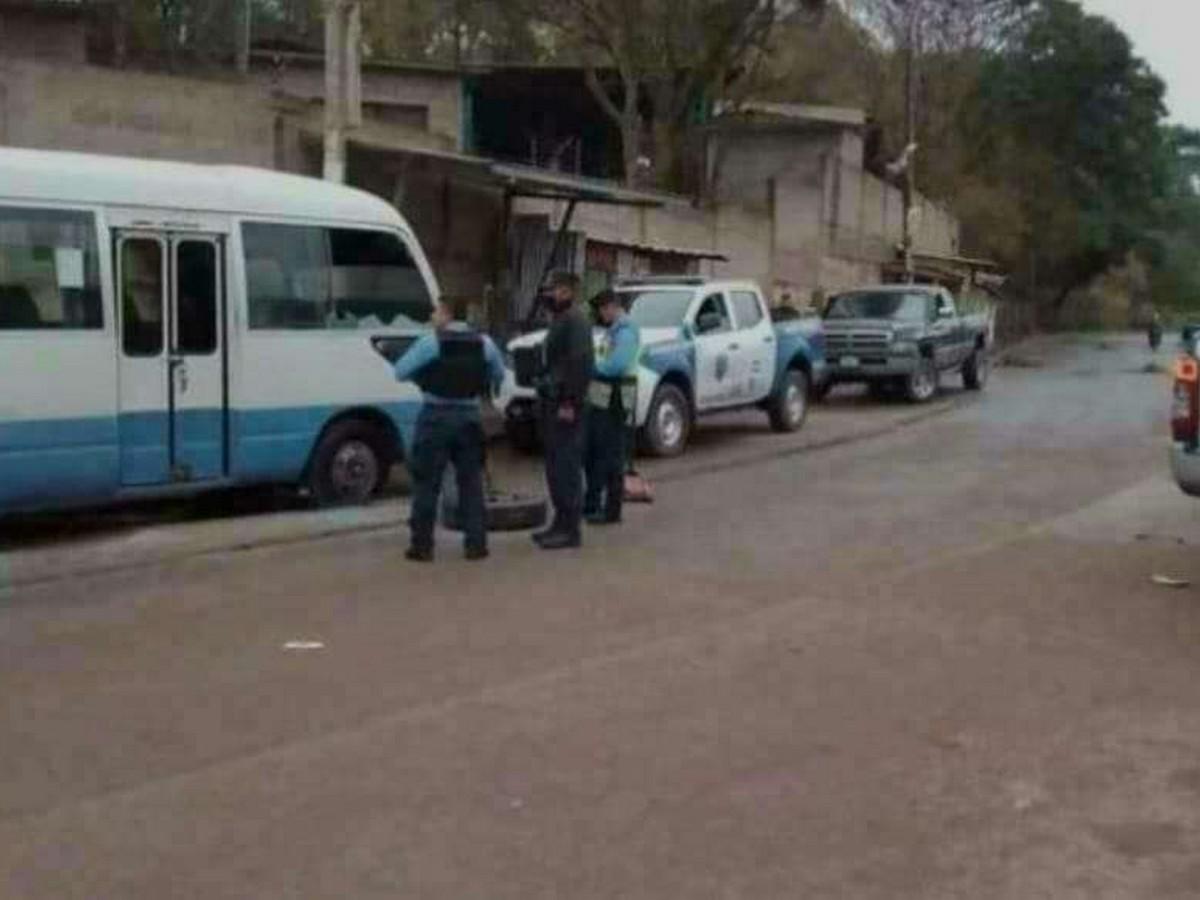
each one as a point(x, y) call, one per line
point(170, 328)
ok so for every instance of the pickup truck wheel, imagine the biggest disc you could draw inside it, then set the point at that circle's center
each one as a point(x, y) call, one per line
point(975, 370)
point(790, 405)
point(922, 385)
point(669, 423)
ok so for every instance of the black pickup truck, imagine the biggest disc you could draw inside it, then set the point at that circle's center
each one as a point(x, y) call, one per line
point(903, 338)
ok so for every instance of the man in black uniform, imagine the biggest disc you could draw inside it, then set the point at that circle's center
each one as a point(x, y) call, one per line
point(563, 389)
point(454, 367)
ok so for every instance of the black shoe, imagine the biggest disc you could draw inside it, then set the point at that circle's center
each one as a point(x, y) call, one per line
point(542, 535)
point(476, 553)
point(416, 554)
point(560, 541)
point(602, 519)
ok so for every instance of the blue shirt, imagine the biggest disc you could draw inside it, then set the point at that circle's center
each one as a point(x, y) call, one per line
point(624, 340)
point(428, 349)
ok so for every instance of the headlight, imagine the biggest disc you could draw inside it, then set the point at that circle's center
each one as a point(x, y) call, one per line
point(904, 348)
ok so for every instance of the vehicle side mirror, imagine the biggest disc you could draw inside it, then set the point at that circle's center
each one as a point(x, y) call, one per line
point(708, 322)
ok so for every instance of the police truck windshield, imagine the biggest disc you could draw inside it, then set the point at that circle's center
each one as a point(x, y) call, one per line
point(657, 308)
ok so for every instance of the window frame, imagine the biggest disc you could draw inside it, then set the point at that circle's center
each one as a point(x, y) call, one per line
point(408, 242)
point(695, 316)
point(739, 325)
point(93, 224)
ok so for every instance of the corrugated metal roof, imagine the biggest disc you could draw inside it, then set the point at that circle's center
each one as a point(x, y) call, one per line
point(666, 249)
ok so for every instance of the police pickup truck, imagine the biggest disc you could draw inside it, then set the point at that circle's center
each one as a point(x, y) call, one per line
point(902, 338)
point(707, 346)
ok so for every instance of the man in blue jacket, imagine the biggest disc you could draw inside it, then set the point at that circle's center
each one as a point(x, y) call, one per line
point(611, 407)
point(455, 367)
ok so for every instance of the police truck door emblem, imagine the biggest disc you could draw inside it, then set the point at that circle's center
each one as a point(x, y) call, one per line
point(722, 366)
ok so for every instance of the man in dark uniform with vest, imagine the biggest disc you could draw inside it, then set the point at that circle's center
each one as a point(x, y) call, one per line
point(611, 408)
point(563, 389)
point(454, 367)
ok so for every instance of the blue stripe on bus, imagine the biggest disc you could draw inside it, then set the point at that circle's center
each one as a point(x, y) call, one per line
point(45, 463)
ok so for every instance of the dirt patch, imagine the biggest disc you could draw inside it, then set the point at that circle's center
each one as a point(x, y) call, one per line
point(1141, 840)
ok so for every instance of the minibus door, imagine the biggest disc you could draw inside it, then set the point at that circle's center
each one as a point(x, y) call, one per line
point(174, 422)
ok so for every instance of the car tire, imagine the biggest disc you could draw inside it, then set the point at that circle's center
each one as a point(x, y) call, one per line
point(669, 423)
point(350, 465)
point(923, 383)
point(502, 511)
point(789, 406)
point(523, 436)
point(975, 370)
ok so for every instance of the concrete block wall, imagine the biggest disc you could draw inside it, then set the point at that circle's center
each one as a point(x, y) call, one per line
point(97, 110)
point(440, 94)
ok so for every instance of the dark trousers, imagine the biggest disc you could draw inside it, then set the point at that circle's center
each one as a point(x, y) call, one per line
point(564, 468)
point(605, 466)
point(448, 435)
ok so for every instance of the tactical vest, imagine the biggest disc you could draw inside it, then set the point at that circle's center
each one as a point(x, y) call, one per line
point(460, 371)
point(616, 394)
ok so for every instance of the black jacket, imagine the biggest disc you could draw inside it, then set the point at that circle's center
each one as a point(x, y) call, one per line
point(569, 357)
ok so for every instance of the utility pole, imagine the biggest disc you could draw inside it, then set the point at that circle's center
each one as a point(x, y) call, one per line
point(910, 139)
point(343, 81)
point(244, 25)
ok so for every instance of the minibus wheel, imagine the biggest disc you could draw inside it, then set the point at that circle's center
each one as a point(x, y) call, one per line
point(350, 465)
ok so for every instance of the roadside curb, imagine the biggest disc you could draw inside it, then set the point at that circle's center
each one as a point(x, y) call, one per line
point(165, 544)
point(160, 545)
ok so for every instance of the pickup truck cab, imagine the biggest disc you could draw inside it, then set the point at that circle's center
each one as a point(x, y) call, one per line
point(707, 346)
point(903, 338)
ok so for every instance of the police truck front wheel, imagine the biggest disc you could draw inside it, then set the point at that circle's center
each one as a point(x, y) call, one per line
point(669, 423)
point(349, 466)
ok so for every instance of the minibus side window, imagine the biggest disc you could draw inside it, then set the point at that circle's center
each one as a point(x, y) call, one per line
point(49, 270)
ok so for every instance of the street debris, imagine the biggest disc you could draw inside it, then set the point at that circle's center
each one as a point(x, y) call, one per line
point(1018, 361)
point(1168, 581)
point(304, 645)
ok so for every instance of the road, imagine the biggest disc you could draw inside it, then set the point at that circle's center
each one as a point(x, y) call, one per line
point(927, 664)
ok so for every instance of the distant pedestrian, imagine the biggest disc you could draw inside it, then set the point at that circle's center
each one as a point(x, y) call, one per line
point(562, 388)
point(455, 367)
point(611, 406)
point(1155, 330)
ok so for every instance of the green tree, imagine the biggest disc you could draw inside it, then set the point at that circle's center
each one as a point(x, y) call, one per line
point(668, 59)
point(1072, 91)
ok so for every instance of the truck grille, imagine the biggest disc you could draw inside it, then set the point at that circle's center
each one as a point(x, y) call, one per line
point(857, 343)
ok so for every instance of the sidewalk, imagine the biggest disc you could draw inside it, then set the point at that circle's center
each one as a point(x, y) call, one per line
point(720, 443)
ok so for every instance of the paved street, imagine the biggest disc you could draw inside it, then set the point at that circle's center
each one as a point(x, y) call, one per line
point(927, 663)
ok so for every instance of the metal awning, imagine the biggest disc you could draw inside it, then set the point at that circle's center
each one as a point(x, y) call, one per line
point(516, 180)
point(527, 181)
point(663, 249)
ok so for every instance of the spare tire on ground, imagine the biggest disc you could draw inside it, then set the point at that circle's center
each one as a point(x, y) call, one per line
point(503, 511)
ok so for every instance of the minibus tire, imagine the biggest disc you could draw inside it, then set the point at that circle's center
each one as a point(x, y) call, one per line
point(349, 466)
